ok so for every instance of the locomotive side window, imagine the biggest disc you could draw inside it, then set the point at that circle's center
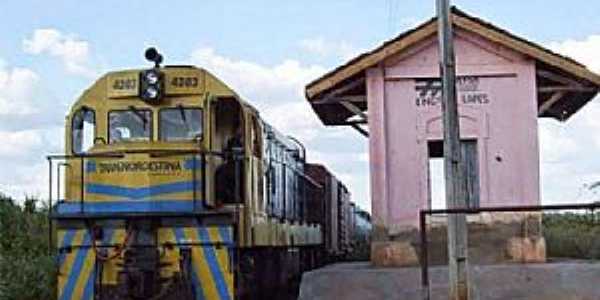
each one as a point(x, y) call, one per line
point(83, 130)
point(129, 125)
point(228, 138)
point(176, 124)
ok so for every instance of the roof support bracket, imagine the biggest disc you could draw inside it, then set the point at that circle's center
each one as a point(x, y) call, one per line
point(546, 106)
point(576, 89)
point(360, 130)
point(337, 93)
point(558, 78)
point(355, 110)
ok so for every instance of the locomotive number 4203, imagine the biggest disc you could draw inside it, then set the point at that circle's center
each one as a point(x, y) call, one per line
point(185, 82)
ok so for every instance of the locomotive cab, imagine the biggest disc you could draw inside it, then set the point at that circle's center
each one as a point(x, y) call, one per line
point(119, 133)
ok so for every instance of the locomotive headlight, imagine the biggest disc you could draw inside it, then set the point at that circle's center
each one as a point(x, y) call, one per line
point(151, 77)
point(151, 85)
point(150, 93)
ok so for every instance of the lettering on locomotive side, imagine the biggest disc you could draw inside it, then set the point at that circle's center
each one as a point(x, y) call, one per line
point(139, 166)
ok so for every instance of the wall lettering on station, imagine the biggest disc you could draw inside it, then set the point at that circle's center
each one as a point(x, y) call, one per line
point(429, 91)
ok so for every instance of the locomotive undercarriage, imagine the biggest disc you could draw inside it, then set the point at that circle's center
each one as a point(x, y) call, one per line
point(147, 285)
point(140, 274)
point(275, 272)
point(137, 265)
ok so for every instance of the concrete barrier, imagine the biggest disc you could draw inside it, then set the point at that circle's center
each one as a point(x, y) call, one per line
point(551, 281)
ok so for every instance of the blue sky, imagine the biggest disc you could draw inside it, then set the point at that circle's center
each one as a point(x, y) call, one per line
point(267, 50)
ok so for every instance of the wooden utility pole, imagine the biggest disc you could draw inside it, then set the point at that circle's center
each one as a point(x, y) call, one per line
point(453, 167)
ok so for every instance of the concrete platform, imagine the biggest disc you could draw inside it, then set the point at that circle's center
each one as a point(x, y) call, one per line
point(550, 281)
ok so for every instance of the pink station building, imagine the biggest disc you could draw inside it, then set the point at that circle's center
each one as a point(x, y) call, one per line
point(505, 83)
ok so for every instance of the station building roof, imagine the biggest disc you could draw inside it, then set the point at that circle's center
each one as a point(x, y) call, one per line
point(564, 85)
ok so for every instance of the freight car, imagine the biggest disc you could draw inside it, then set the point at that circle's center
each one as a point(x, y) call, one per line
point(346, 228)
point(360, 234)
point(173, 187)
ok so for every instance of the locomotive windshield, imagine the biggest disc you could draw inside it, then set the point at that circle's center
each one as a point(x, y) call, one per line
point(180, 123)
point(130, 125)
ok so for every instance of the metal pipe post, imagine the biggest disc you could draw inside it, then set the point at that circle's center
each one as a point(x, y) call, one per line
point(50, 204)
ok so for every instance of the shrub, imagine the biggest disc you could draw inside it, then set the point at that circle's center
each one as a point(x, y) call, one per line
point(572, 235)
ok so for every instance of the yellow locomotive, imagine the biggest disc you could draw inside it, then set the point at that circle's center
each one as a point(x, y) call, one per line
point(175, 188)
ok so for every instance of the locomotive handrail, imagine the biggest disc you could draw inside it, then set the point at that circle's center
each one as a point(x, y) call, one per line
point(85, 155)
point(52, 210)
point(52, 158)
point(116, 155)
point(167, 153)
point(121, 154)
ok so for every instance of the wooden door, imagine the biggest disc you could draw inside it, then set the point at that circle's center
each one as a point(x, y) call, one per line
point(471, 165)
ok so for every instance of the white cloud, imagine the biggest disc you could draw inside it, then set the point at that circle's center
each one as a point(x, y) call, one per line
point(339, 156)
point(17, 87)
point(556, 143)
point(24, 102)
point(323, 47)
point(277, 91)
point(24, 170)
point(30, 128)
point(295, 117)
point(21, 143)
point(585, 51)
point(73, 52)
point(288, 77)
point(26, 180)
point(569, 157)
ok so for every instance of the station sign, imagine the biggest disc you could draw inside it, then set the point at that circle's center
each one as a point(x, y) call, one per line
point(429, 91)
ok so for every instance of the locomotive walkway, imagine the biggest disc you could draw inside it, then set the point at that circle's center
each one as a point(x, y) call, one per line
point(551, 281)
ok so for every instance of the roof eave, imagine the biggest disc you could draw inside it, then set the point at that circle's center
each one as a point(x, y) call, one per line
point(463, 21)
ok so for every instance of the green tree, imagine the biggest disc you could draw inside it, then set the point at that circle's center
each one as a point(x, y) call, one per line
point(27, 271)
